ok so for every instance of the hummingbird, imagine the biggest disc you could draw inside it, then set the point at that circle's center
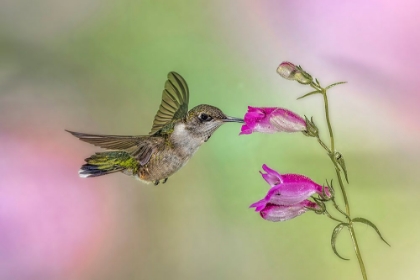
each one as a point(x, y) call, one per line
point(175, 136)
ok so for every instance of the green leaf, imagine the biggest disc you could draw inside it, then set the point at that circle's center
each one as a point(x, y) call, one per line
point(369, 223)
point(341, 162)
point(311, 93)
point(334, 235)
point(335, 84)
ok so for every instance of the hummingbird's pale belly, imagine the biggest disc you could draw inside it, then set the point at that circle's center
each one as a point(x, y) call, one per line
point(163, 164)
point(161, 168)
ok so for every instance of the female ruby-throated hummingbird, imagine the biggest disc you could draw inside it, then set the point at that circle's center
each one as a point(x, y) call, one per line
point(175, 136)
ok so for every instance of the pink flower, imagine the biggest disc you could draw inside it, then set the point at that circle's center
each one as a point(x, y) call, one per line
point(271, 120)
point(280, 213)
point(288, 195)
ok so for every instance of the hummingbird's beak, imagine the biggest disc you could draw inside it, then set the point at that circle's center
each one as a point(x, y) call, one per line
point(231, 119)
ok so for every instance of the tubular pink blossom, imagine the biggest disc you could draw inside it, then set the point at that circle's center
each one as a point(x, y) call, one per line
point(271, 120)
point(289, 193)
point(280, 213)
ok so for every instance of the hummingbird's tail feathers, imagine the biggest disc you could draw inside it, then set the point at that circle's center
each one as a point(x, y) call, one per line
point(88, 170)
point(108, 162)
point(114, 142)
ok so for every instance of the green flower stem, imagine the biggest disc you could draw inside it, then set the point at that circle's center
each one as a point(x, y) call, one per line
point(343, 191)
point(357, 250)
point(324, 146)
point(339, 209)
point(329, 152)
point(333, 218)
point(327, 116)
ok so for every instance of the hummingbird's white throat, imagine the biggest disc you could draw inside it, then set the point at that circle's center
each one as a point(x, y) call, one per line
point(185, 140)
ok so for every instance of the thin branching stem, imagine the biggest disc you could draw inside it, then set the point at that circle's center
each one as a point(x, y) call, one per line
point(327, 116)
point(330, 154)
point(333, 218)
point(324, 146)
point(340, 181)
point(339, 209)
point(357, 250)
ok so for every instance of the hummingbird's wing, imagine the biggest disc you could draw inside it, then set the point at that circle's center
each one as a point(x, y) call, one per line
point(146, 148)
point(174, 104)
point(140, 147)
point(113, 142)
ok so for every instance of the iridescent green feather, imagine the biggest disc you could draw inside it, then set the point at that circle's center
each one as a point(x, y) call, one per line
point(109, 162)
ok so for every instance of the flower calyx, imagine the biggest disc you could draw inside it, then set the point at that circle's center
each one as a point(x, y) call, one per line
point(311, 128)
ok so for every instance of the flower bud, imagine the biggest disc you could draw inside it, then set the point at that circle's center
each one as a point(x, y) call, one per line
point(287, 70)
point(292, 72)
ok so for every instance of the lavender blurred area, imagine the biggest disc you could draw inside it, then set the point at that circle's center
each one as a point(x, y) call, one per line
point(100, 66)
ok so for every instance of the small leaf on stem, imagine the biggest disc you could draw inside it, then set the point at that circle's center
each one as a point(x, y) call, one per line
point(369, 223)
point(335, 233)
point(311, 93)
point(335, 84)
point(341, 162)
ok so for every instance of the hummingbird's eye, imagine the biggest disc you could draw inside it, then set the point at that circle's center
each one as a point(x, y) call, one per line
point(204, 117)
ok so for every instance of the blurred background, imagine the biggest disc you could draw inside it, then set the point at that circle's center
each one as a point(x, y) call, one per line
point(100, 66)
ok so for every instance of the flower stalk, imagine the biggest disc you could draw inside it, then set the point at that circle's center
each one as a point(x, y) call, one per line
point(340, 182)
point(331, 152)
point(292, 195)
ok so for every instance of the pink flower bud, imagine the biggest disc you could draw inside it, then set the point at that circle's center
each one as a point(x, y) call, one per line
point(287, 70)
point(271, 120)
point(292, 72)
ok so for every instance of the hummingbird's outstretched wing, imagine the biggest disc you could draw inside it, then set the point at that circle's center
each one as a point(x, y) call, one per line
point(112, 142)
point(174, 104)
point(140, 147)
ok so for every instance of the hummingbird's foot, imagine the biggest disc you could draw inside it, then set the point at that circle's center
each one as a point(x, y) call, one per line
point(156, 182)
point(164, 180)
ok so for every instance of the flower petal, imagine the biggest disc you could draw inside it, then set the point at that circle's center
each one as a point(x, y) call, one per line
point(246, 129)
point(271, 120)
point(290, 193)
point(280, 213)
point(289, 189)
point(272, 177)
point(259, 205)
point(287, 121)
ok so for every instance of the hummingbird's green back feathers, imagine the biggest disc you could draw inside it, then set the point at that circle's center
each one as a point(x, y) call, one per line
point(174, 105)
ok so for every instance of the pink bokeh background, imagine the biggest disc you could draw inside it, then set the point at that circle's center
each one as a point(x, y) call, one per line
point(53, 225)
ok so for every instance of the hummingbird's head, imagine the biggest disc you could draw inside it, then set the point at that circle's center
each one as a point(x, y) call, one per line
point(203, 120)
